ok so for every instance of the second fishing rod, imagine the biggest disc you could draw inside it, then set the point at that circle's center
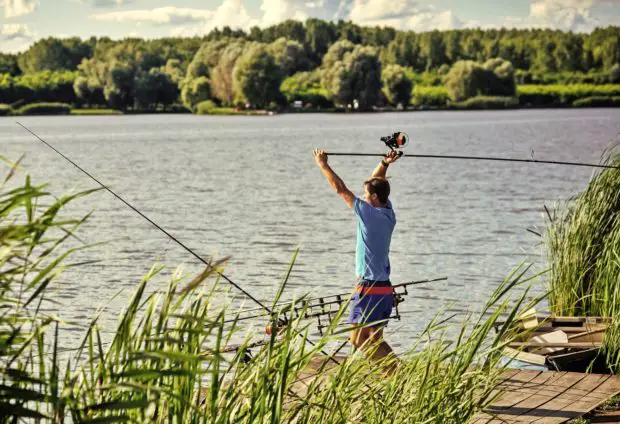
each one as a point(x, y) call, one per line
point(399, 140)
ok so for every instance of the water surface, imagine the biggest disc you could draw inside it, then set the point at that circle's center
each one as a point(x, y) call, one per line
point(248, 187)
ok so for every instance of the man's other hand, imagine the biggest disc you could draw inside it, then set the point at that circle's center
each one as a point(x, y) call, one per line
point(391, 157)
point(320, 156)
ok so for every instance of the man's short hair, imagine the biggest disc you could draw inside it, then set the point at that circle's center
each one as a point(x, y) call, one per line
point(380, 187)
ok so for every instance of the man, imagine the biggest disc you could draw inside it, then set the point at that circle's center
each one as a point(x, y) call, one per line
point(373, 299)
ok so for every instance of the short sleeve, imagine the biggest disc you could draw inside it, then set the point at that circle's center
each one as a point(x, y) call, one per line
point(361, 208)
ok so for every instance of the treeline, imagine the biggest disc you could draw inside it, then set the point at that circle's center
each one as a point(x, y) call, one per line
point(318, 62)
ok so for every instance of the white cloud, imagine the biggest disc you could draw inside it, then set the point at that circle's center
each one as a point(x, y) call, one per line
point(164, 15)
point(186, 21)
point(10, 32)
point(108, 3)
point(366, 11)
point(566, 15)
point(15, 8)
point(275, 11)
point(230, 13)
point(403, 14)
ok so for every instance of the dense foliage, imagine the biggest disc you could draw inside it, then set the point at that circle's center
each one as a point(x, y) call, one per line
point(157, 74)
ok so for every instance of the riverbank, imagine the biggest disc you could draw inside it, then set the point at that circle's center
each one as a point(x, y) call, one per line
point(423, 98)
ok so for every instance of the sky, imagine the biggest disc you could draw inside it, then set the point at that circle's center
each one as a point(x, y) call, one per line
point(24, 21)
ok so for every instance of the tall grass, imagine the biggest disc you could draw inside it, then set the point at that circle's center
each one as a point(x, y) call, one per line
point(583, 250)
point(165, 361)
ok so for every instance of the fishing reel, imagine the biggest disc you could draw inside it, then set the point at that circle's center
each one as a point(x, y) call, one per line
point(396, 141)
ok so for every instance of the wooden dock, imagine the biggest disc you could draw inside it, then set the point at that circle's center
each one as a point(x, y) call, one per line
point(548, 397)
point(526, 396)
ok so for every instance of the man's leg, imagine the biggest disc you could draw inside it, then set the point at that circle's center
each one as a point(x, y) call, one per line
point(360, 336)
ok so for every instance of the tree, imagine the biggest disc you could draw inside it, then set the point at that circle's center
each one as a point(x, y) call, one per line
point(336, 53)
point(154, 88)
point(289, 55)
point(257, 77)
point(174, 69)
point(195, 91)
point(8, 64)
point(465, 80)
point(119, 89)
point(206, 58)
point(54, 54)
point(614, 74)
point(357, 77)
point(222, 74)
point(319, 36)
point(469, 79)
point(500, 80)
point(397, 85)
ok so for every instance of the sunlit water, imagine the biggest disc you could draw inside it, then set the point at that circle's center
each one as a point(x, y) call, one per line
point(248, 187)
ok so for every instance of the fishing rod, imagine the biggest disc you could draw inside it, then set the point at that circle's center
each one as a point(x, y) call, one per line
point(325, 305)
point(259, 303)
point(399, 140)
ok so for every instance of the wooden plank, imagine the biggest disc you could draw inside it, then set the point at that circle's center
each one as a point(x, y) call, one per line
point(523, 356)
point(516, 393)
point(547, 339)
point(549, 397)
point(576, 345)
point(610, 387)
point(579, 399)
point(548, 390)
point(556, 409)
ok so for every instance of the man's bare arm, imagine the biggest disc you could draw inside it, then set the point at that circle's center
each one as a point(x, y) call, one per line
point(334, 180)
point(381, 169)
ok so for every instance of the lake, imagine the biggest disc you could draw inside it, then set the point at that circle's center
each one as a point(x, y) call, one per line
point(248, 187)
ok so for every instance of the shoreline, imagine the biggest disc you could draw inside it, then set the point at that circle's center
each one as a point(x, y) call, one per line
point(266, 113)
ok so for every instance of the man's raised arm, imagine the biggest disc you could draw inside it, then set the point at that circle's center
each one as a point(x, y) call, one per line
point(320, 156)
point(381, 169)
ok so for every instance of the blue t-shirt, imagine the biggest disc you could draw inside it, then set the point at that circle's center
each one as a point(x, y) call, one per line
point(374, 234)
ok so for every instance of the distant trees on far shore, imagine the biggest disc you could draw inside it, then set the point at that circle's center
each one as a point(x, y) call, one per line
point(316, 62)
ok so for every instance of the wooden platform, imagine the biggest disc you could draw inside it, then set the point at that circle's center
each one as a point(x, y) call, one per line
point(526, 396)
point(548, 397)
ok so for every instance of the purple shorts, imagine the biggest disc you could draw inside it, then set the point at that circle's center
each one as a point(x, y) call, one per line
point(372, 302)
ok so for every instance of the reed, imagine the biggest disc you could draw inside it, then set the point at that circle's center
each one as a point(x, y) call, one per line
point(583, 251)
point(165, 361)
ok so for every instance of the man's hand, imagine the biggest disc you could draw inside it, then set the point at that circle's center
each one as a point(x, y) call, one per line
point(320, 156)
point(391, 157)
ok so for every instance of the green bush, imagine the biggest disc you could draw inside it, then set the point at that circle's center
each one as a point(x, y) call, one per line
point(598, 101)
point(96, 112)
point(206, 108)
point(430, 96)
point(468, 79)
point(5, 110)
point(563, 95)
point(566, 78)
point(45, 109)
point(306, 87)
point(487, 102)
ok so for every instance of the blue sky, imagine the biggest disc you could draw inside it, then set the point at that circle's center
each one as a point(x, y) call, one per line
point(24, 21)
